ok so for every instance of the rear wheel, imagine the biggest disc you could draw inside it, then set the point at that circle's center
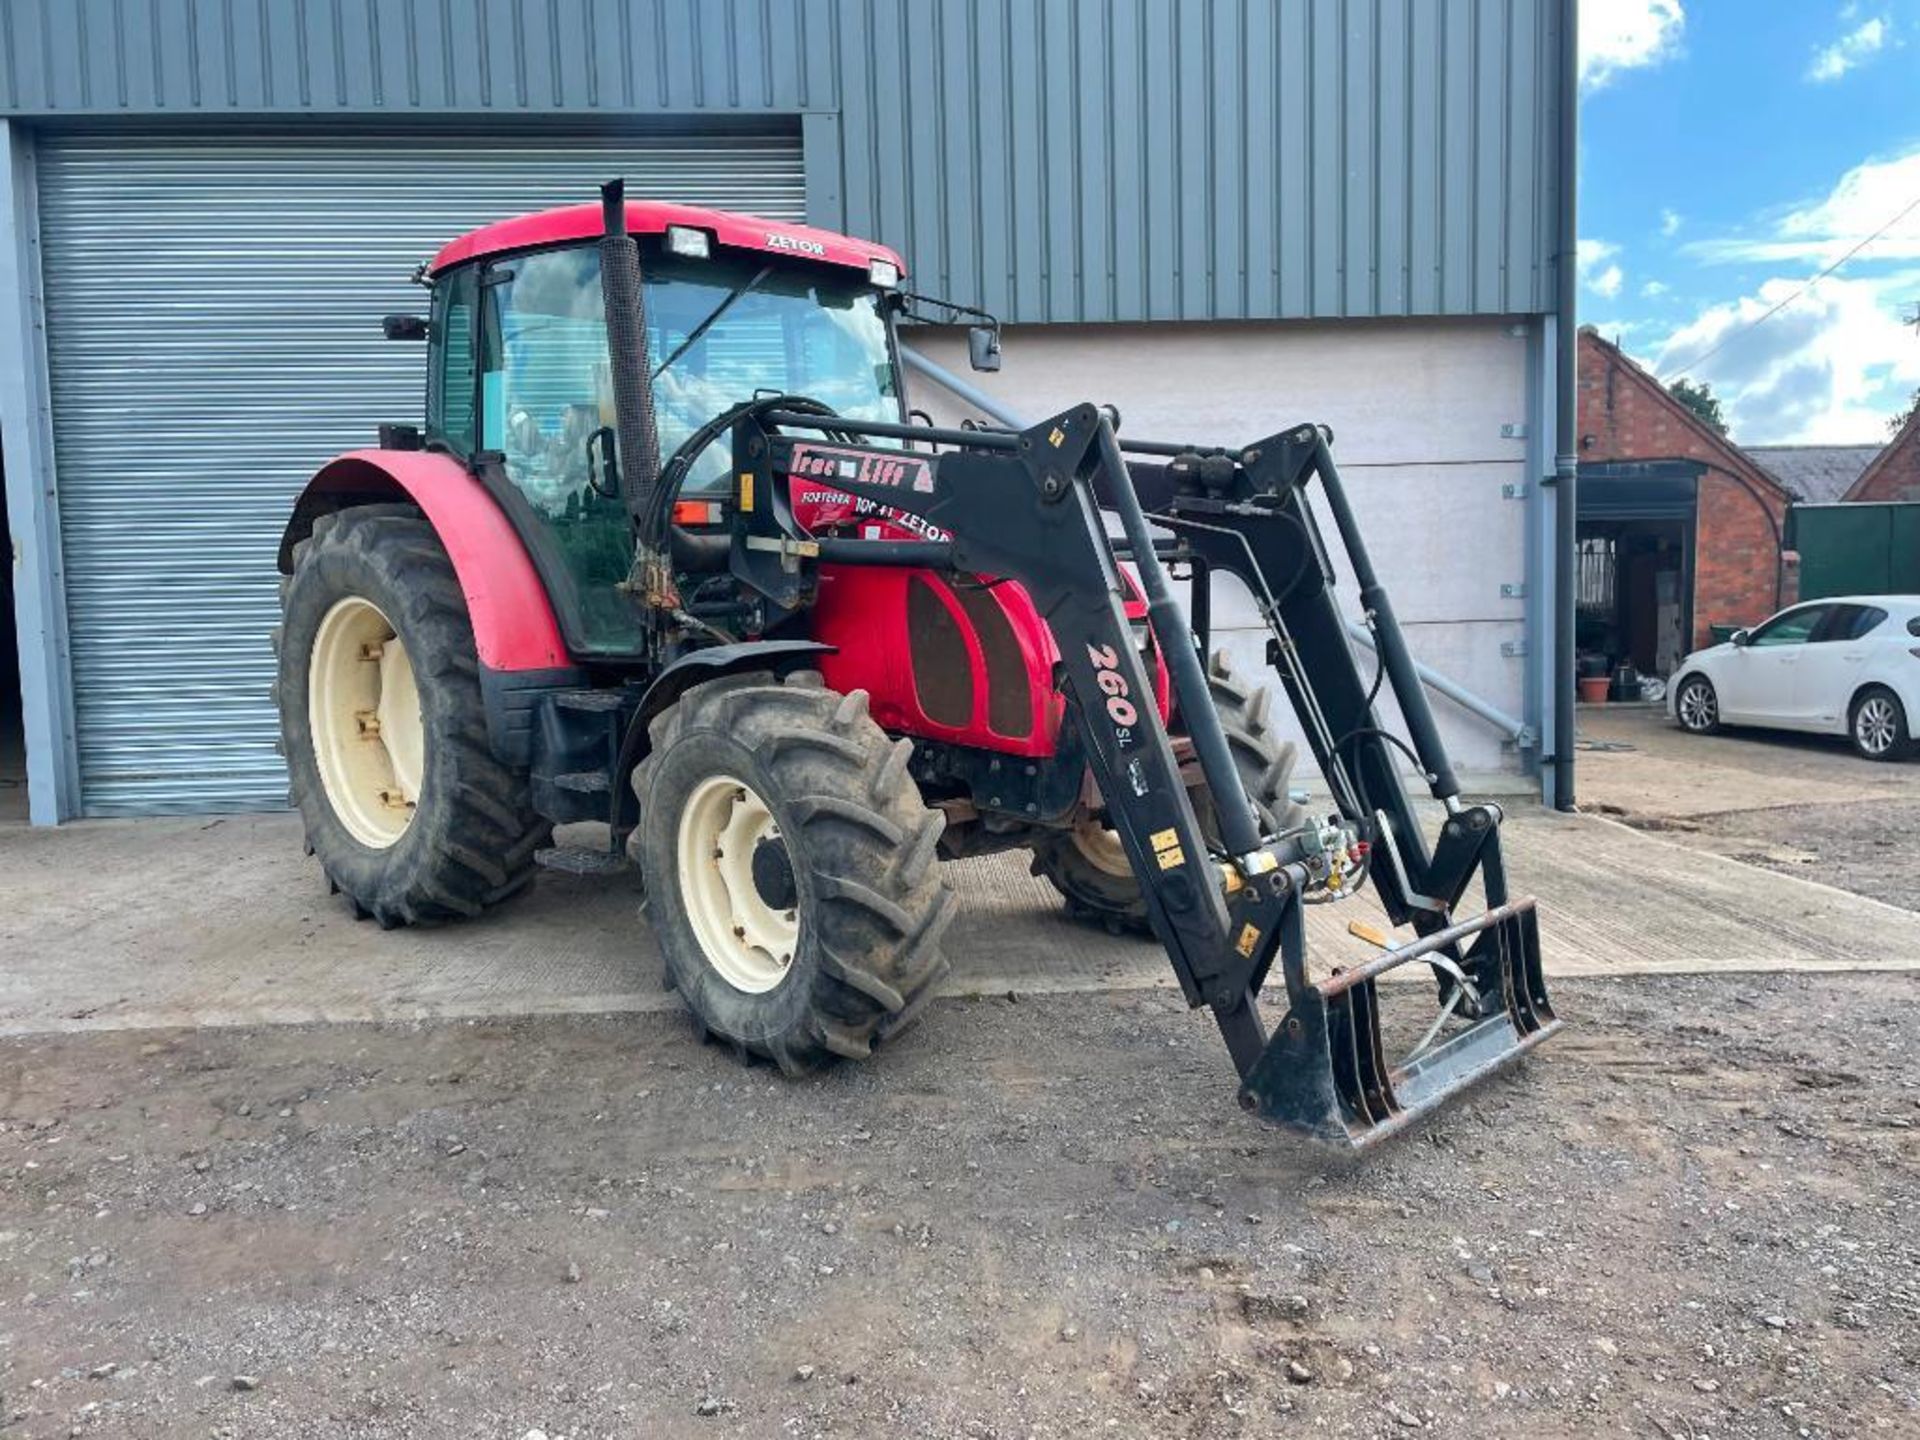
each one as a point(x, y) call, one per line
point(791, 869)
point(1697, 705)
point(1088, 865)
point(408, 811)
point(1878, 725)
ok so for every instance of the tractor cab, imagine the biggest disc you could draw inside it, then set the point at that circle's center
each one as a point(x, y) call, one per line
point(519, 385)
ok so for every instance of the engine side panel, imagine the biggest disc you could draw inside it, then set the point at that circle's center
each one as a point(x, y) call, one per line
point(915, 645)
point(514, 627)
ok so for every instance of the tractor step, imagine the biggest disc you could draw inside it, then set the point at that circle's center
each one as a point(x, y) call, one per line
point(581, 860)
point(1325, 1073)
point(584, 782)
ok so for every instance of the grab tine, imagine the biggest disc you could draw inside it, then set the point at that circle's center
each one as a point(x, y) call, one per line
point(1325, 1073)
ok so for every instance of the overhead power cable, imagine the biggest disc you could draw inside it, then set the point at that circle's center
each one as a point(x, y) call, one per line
point(1735, 334)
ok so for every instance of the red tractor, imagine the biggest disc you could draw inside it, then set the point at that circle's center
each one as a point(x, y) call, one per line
point(670, 554)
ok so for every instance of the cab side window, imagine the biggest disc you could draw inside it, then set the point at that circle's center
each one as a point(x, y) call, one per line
point(451, 380)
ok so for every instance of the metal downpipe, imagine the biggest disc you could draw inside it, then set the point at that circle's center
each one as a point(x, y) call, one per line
point(1566, 465)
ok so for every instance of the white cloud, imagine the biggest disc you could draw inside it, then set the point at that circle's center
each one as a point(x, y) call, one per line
point(1854, 48)
point(1618, 35)
point(1840, 358)
point(1827, 369)
point(1654, 289)
point(1597, 270)
point(1619, 331)
point(1821, 231)
point(1670, 222)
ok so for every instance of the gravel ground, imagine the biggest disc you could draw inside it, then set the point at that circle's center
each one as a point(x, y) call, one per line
point(1691, 1215)
point(1871, 848)
point(1797, 804)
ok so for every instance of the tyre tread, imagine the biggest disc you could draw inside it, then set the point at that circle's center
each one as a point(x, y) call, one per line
point(883, 907)
point(483, 853)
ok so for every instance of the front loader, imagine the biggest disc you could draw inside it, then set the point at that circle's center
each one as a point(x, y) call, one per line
point(669, 555)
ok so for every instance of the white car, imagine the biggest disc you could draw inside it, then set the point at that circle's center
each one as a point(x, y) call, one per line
point(1848, 665)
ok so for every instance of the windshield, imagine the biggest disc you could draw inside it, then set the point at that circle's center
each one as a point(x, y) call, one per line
point(718, 332)
point(781, 331)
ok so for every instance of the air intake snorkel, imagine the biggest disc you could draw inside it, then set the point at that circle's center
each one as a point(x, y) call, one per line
point(624, 297)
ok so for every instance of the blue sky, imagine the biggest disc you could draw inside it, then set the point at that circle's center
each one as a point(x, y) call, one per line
point(1731, 150)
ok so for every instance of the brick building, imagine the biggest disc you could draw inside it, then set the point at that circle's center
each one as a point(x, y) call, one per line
point(1679, 529)
point(1895, 471)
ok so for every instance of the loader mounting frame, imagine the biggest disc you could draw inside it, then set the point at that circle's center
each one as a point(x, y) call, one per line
point(1026, 505)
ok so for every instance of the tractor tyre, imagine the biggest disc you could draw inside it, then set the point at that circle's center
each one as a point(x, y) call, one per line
point(1088, 865)
point(409, 812)
point(790, 866)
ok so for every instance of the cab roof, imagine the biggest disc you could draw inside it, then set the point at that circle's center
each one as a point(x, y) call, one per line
point(652, 217)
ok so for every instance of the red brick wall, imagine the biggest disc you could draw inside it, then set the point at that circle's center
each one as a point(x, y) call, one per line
point(1625, 415)
point(1894, 474)
point(1736, 557)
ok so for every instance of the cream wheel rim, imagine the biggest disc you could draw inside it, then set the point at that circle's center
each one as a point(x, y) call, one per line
point(1100, 847)
point(745, 915)
point(363, 710)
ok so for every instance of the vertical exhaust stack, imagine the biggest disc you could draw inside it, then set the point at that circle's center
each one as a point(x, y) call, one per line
point(627, 360)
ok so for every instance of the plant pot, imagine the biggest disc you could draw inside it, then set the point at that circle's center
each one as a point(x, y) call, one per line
point(1593, 689)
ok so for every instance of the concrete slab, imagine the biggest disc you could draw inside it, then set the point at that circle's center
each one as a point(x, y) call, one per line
point(120, 924)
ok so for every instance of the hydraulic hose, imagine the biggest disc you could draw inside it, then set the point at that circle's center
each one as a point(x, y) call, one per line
point(1390, 641)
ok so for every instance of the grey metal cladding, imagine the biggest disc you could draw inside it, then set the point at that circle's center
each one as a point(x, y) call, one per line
point(1057, 160)
point(213, 313)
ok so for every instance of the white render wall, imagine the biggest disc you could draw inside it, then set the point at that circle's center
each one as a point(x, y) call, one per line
point(1417, 410)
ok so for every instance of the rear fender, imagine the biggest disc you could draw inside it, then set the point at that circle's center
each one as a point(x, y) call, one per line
point(514, 627)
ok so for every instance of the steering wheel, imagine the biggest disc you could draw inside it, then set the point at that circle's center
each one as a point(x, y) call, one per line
point(680, 464)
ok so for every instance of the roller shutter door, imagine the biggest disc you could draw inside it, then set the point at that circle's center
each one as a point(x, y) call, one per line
point(213, 324)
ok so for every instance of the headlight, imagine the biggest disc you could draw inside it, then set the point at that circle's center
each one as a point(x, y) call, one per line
point(883, 273)
point(687, 241)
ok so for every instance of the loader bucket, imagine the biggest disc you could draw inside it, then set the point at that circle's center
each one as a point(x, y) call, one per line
point(1325, 1074)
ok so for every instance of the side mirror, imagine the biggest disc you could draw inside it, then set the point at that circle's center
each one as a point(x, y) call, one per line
point(1741, 638)
point(404, 327)
point(983, 347)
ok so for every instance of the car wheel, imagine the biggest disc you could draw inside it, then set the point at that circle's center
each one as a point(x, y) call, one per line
point(1878, 725)
point(1697, 705)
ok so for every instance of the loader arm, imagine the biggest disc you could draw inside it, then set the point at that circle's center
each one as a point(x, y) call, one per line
point(1027, 506)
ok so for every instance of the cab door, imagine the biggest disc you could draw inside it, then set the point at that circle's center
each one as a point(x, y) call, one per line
point(1756, 684)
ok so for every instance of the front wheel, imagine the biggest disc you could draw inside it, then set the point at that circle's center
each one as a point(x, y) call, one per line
point(791, 868)
point(1697, 706)
point(1878, 726)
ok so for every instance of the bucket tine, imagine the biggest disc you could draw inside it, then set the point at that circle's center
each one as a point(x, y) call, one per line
point(1325, 1073)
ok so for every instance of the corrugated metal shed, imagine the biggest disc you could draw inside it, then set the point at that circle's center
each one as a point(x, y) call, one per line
point(1055, 160)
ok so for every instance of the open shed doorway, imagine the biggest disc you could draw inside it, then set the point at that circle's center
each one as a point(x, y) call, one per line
point(1635, 557)
point(1636, 593)
point(13, 734)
